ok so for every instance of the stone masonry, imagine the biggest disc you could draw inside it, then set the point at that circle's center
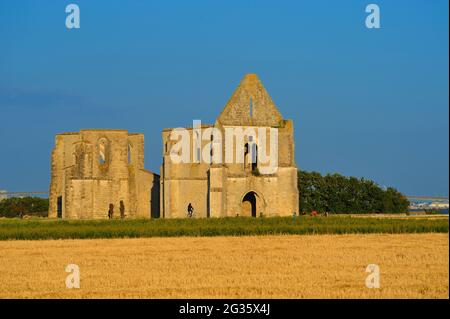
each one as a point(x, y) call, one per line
point(98, 171)
point(231, 189)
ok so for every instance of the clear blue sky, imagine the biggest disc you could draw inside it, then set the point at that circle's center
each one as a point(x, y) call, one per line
point(367, 103)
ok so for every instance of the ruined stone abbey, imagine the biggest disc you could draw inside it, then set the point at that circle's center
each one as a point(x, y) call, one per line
point(99, 174)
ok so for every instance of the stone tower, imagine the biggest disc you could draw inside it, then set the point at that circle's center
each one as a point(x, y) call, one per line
point(251, 171)
point(97, 171)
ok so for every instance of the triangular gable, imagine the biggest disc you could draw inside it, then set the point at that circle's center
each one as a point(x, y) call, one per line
point(250, 105)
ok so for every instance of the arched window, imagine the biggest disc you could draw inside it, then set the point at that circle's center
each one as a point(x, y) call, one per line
point(102, 151)
point(246, 150)
point(251, 153)
point(129, 153)
point(80, 158)
point(254, 156)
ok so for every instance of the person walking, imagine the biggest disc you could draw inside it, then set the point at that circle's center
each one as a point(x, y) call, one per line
point(111, 211)
point(122, 209)
point(190, 210)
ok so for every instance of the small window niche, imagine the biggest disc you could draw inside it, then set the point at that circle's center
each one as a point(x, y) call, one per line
point(103, 149)
point(130, 154)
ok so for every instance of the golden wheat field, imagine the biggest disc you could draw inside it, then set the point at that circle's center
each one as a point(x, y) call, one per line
point(322, 266)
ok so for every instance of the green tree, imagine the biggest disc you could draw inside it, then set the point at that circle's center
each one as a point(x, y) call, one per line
point(339, 194)
point(31, 206)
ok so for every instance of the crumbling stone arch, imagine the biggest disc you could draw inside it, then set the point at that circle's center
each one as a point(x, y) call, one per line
point(252, 204)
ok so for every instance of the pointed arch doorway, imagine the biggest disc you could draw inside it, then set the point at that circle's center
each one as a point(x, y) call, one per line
point(249, 204)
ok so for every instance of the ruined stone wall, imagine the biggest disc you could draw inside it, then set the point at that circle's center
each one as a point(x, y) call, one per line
point(93, 169)
point(218, 190)
point(183, 183)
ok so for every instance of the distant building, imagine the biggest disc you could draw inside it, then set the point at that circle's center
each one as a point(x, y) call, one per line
point(439, 205)
point(3, 194)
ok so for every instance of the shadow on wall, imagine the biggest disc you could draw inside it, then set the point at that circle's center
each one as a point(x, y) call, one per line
point(154, 197)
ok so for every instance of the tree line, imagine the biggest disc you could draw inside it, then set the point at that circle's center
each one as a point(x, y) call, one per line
point(335, 193)
point(25, 206)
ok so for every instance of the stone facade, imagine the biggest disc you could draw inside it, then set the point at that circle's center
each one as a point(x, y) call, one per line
point(233, 188)
point(97, 171)
point(94, 170)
